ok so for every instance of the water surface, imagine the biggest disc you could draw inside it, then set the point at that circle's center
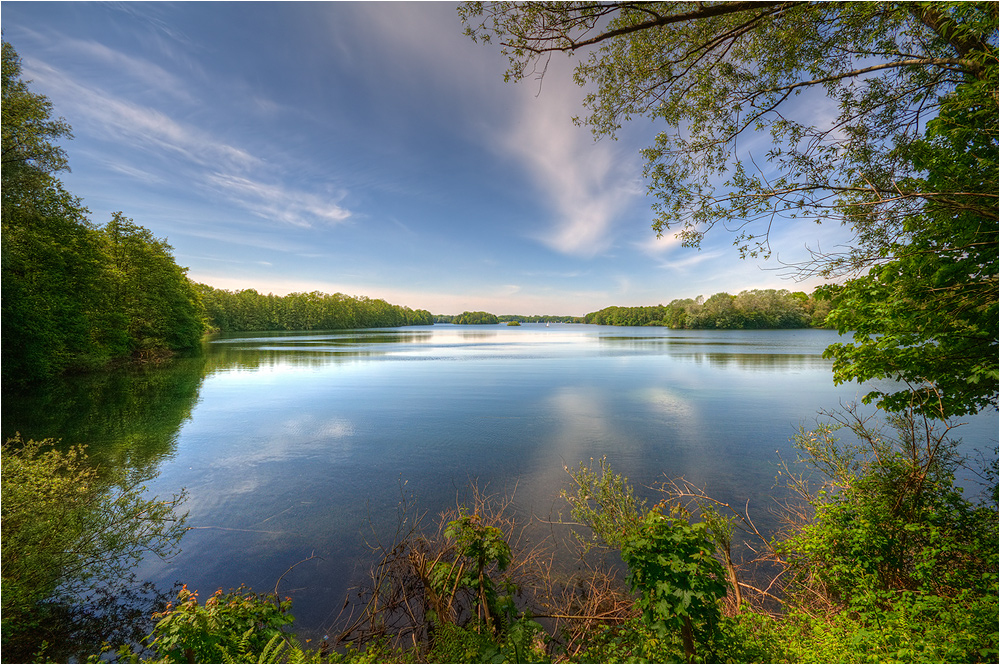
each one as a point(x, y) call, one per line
point(294, 444)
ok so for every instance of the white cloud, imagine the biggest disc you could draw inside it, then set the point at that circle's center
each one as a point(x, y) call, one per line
point(229, 170)
point(150, 75)
point(588, 184)
point(276, 202)
point(140, 127)
point(657, 246)
point(694, 258)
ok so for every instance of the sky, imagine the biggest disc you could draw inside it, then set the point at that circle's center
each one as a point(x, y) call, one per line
point(365, 148)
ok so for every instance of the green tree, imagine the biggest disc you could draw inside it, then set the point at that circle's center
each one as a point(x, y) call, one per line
point(66, 533)
point(475, 318)
point(157, 304)
point(51, 263)
point(928, 315)
point(713, 73)
point(75, 296)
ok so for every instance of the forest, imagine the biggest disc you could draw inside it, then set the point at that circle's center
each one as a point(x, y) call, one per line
point(751, 310)
point(756, 309)
point(474, 318)
point(247, 310)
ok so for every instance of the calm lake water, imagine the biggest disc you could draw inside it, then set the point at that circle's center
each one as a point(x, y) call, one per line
point(292, 444)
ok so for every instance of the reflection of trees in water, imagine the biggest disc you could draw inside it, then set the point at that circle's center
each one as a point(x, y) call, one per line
point(758, 361)
point(128, 418)
point(116, 615)
point(686, 349)
point(251, 358)
point(306, 350)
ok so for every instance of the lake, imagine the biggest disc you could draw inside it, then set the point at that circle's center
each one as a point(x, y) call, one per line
point(293, 444)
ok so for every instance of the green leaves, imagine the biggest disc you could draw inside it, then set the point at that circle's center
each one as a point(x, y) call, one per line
point(603, 501)
point(66, 532)
point(75, 296)
point(927, 315)
point(907, 564)
point(159, 306)
point(239, 623)
point(672, 565)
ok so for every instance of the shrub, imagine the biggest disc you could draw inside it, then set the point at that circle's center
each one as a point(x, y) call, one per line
point(67, 533)
point(229, 625)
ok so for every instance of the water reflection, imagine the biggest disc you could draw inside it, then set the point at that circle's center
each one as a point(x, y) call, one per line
point(227, 358)
point(756, 361)
point(128, 418)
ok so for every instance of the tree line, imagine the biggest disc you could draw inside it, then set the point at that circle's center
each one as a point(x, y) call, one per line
point(249, 310)
point(470, 318)
point(756, 309)
point(486, 317)
point(753, 310)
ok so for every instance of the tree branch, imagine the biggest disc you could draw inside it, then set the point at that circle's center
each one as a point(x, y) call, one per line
point(660, 21)
point(873, 68)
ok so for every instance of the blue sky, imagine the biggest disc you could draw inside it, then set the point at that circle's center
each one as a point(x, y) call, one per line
point(364, 148)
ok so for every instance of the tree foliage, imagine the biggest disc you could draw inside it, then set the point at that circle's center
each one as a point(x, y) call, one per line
point(906, 563)
point(75, 295)
point(68, 533)
point(248, 310)
point(880, 116)
point(157, 304)
point(755, 309)
point(475, 318)
point(928, 315)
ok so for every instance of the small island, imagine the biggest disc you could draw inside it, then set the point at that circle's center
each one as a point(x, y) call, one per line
point(475, 318)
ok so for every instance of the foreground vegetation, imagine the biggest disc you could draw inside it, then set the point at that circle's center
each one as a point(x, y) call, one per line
point(882, 558)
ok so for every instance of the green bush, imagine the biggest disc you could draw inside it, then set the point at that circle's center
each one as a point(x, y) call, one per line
point(67, 533)
point(907, 564)
point(672, 565)
point(228, 626)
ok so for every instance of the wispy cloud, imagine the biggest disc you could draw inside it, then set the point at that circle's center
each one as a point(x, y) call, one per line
point(657, 246)
point(588, 184)
point(137, 126)
point(271, 201)
point(689, 261)
point(128, 68)
point(224, 169)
